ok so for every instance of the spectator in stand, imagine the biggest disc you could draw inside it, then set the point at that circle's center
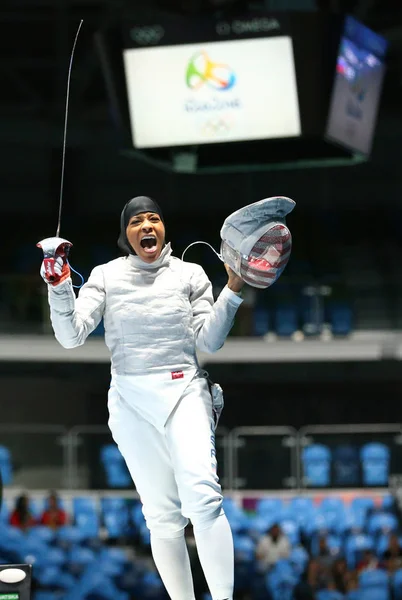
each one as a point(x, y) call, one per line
point(324, 557)
point(392, 557)
point(54, 516)
point(340, 575)
point(273, 546)
point(309, 583)
point(368, 561)
point(21, 516)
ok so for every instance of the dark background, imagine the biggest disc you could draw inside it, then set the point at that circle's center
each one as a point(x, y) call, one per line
point(35, 43)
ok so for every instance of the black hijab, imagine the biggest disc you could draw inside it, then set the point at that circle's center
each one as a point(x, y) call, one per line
point(135, 206)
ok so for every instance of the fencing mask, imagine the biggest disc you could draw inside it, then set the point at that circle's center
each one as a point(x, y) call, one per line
point(256, 242)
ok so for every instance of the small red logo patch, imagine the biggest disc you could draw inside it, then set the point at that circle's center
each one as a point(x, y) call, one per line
point(177, 374)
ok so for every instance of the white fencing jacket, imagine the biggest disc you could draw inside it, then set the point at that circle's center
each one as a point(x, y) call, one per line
point(155, 317)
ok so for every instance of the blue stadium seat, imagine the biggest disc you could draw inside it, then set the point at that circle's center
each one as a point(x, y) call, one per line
point(4, 513)
point(316, 465)
point(382, 544)
point(36, 506)
point(317, 525)
point(81, 556)
point(346, 464)
point(334, 512)
point(238, 524)
point(375, 459)
point(68, 535)
point(362, 504)
point(110, 453)
point(152, 586)
point(269, 507)
point(302, 504)
point(138, 516)
point(283, 567)
point(42, 533)
point(261, 321)
point(329, 595)
point(79, 559)
point(375, 594)
point(84, 504)
point(397, 584)
point(45, 595)
point(340, 317)
point(116, 523)
point(353, 595)
point(332, 504)
point(353, 522)
point(260, 525)
point(92, 582)
point(301, 510)
point(355, 545)
point(382, 523)
point(281, 581)
point(6, 467)
point(336, 522)
point(291, 530)
point(54, 557)
point(373, 578)
point(11, 539)
point(117, 474)
point(388, 502)
point(88, 524)
point(113, 554)
point(145, 535)
point(244, 548)
point(55, 577)
point(130, 579)
point(113, 503)
point(299, 558)
point(286, 320)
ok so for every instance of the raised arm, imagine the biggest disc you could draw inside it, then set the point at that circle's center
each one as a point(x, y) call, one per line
point(73, 319)
point(212, 320)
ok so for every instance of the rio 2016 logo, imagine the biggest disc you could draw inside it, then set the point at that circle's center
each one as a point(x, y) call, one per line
point(202, 71)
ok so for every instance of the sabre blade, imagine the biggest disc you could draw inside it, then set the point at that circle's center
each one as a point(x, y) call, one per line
point(65, 130)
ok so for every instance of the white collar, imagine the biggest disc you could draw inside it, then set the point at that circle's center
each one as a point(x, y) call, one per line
point(161, 261)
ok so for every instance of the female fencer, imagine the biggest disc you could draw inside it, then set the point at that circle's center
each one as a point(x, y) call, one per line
point(157, 310)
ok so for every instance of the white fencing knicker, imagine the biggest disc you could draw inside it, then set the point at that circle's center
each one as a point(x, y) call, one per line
point(172, 462)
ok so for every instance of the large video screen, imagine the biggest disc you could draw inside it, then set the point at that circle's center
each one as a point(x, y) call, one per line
point(357, 88)
point(213, 92)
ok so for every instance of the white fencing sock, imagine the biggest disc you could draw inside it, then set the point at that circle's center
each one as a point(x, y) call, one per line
point(215, 550)
point(172, 561)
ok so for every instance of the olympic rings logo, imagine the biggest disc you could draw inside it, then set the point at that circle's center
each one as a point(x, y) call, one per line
point(217, 126)
point(147, 36)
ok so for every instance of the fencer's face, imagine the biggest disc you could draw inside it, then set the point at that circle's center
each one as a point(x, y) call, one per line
point(146, 234)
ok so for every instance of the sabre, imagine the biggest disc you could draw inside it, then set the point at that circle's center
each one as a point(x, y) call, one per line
point(57, 246)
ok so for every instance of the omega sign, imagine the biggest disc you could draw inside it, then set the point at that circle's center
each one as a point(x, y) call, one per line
point(257, 25)
point(147, 35)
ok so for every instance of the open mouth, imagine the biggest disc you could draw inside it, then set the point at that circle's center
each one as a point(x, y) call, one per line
point(149, 244)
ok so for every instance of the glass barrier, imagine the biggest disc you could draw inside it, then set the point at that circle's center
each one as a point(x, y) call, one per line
point(263, 458)
point(33, 457)
point(349, 456)
point(249, 458)
point(94, 461)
